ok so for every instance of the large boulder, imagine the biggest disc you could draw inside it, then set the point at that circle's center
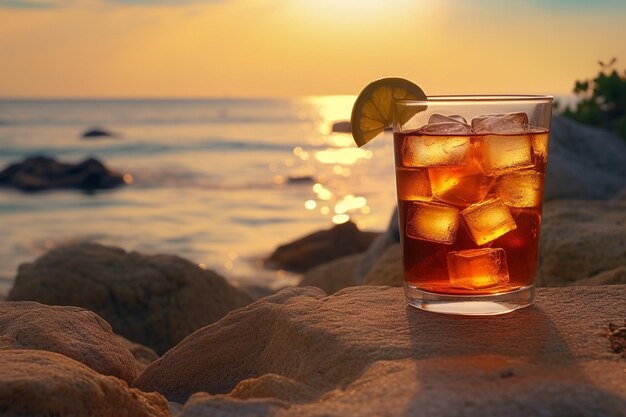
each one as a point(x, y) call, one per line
point(38, 383)
point(388, 269)
point(584, 162)
point(363, 351)
point(334, 275)
point(321, 246)
point(71, 331)
point(42, 173)
point(155, 300)
point(581, 239)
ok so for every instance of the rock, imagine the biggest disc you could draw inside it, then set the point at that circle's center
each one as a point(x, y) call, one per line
point(611, 277)
point(39, 383)
point(42, 173)
point(378, 247)
point(334, 275)
point(203, 404)
point(274, 386)
point(71, 331)
point(301, 179)
point(319, 247)
point(97, 132)
point(621, 195)
point(153, 300)
point(367, 353)
point(580, 239)
point(143, 355)
point(584, 162)
point(388, 270)
point(342, 127)
point(257, 291)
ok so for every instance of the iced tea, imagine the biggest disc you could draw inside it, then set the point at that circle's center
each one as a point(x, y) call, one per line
point(469, 201)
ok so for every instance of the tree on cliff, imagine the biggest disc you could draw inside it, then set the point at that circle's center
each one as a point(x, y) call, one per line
point(602, 100)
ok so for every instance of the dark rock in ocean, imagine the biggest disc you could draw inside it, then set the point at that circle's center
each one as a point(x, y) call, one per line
point(71, 331)
point(97, 132)
point(154, 300)
point(42, 173)
point(304, 179)
point(342, 127)
point(364, 352)
point(320, 247)
point(37, 383)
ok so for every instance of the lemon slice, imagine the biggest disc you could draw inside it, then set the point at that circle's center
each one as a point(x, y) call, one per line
point(372, 111)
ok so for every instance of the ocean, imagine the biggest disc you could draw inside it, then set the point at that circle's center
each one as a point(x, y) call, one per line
point(214, 181)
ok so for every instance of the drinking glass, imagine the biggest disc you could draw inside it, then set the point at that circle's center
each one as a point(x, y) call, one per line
point(470, 174)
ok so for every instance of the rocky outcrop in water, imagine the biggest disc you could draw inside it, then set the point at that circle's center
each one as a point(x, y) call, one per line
point(342, 127)
point(42, 173)
point(155, 300)
point(97, 132)
point(319, 247)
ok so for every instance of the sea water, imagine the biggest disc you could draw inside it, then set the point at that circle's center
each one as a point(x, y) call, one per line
point(220, 182)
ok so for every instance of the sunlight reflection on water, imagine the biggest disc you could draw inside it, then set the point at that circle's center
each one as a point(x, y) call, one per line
point(222, 195)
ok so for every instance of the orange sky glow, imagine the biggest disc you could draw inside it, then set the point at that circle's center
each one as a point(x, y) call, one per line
point(239, 48)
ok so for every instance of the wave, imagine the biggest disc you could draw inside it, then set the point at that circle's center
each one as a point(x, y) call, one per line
point(146, 148)
point(181, 178)
point(160, 121)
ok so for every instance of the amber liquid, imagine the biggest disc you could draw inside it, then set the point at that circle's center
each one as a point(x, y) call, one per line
point(425, 261)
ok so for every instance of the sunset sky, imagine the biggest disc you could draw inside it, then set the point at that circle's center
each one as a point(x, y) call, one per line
point(204, 48)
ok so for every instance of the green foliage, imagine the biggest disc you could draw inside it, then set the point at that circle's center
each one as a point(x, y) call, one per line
point(602, 100)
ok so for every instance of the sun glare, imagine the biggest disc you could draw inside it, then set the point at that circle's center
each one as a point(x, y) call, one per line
point(352, 9)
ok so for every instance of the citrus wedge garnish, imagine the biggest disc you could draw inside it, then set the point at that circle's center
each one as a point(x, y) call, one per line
point(372, 111)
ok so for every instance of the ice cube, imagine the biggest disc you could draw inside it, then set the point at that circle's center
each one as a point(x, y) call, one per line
point(510, 124)
point(425, 151)
point(462, 185)
point(540, 144)
point(520, 188)
point(413, 184)
point(449, 127)
point(440, 118)
point(432, 222)
point(478, 268)
point(501, 153)
point(488, 220)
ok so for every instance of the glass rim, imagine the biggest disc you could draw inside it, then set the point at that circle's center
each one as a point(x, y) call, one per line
point(477, 98)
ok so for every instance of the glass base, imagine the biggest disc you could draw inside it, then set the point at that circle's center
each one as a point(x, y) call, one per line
point(470, 305)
